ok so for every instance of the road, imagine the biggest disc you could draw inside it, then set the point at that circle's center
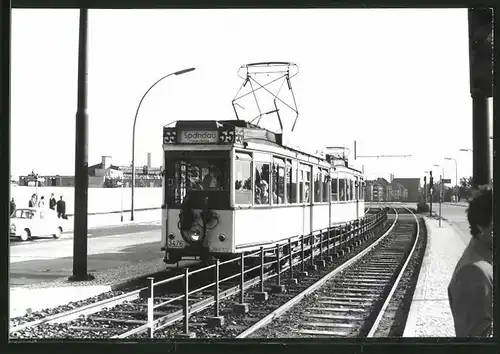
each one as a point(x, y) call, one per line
point(95, 232)
point(111, 247)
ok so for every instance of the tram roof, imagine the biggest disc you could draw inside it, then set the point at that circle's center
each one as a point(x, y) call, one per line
point(252, 133)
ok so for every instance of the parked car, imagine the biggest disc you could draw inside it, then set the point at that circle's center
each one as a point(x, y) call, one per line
point(29, 222)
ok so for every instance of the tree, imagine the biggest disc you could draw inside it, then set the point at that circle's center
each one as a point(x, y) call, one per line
point(465, 187)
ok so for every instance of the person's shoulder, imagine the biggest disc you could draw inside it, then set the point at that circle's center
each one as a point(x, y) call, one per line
point(475, 272)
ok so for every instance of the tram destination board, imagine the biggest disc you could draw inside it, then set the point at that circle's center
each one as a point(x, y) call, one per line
point(199, 137)
point(446, 180)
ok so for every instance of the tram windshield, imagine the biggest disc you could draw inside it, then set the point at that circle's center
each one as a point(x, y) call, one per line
point(202, 180)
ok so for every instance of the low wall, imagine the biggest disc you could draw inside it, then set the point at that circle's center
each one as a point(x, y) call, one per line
point(100, 200)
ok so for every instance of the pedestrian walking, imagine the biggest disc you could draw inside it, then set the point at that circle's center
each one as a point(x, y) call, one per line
point(41, 203)
point(470, 291)
point(52, 202)
point(32, 202)
point(61, 208)
point(12, 206)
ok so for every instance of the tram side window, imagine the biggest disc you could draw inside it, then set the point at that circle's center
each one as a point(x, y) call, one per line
point(317, 185)
point(347, 189)
point(362, 190)
point(243, 179)
point(306, 183)
point(325, 186)
point(335, 189)
point(262, 183)
point(352, 189)
point(356, 189)
point(278, 184)
point(342, 196)
point(292, 184)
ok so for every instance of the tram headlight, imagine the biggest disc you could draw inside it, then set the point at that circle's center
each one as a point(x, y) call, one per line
point(194, 234)
point(222, 237)
point(171, 236)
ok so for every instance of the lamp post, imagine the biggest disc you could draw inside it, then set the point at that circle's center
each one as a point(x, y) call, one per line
point(120, 183)
point(440, 193)
point(180, 72)
point(456, 171)
point(425, 188)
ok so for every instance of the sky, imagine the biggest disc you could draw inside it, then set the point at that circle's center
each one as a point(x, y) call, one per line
point(394, 80)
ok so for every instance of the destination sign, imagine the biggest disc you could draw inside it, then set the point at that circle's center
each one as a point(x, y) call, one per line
point(199, 137)
point(446, 180)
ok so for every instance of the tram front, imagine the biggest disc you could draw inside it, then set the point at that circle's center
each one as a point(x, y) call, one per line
point(197, 217)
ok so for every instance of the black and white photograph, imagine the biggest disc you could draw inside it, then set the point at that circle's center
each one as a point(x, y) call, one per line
point(265, 174)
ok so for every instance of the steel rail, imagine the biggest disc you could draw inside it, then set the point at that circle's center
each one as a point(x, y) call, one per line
point(289, 304)
point(381, 313)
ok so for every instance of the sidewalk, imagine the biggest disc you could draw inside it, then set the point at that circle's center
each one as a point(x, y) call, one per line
point(459, 204)
point(430, 314)
point(114, 219)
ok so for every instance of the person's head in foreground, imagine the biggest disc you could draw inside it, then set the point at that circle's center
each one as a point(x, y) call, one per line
point(480, 216)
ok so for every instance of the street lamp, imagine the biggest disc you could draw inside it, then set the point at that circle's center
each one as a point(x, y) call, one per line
point(441, 193)
point(466, 150)
point(180, 72)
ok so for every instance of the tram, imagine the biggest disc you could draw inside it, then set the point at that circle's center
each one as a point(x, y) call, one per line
point(232, 186)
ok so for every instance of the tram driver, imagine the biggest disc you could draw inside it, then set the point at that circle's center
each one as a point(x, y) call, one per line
point(212, 179)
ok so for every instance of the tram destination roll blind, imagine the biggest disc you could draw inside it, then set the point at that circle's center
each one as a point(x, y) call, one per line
point(199, 137)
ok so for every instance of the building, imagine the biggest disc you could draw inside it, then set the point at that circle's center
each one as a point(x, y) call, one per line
point(105, 169)
point(373, 192)
point(48, 181)
point(399, 192)
point(413, 188)
point(387, 189)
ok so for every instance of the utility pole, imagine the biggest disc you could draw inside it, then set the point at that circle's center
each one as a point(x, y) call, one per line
point(425, 189)
point(81, 161)
point(431, 185)
point(440, 197)
point(481, 88)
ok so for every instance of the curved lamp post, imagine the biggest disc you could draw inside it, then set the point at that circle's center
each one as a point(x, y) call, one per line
point(180, 72)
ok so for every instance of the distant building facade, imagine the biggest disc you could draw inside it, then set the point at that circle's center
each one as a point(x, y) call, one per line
point(412, 186)
point(374, 192)
point(98, 173)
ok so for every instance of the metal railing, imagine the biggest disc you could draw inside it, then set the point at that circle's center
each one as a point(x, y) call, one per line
point(302, 251)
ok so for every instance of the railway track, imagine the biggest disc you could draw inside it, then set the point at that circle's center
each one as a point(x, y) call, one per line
point(142, 312)
point(351, 300)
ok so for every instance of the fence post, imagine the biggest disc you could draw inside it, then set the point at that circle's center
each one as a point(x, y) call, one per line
point(186, 300)
point(186, 333)
point(216, 320)
point(292, 280)
point(302, 256)
point(261, 295)
point(216, 314)
point(242, 307)
point(262, 269)
point(278, 287)
point(320, 245)
point(328, 241)
point(313, 266)
point(151, 307)
point(242, 279)
point(278, 265)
